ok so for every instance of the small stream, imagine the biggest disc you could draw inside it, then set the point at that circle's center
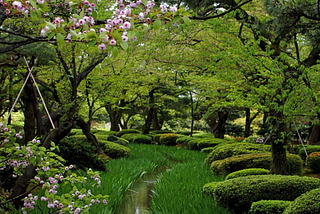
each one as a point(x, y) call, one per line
point(138, 198)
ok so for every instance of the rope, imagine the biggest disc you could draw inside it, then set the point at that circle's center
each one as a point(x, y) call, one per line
point(19, 94)
point(17, 98)
point(300, 139)
point(42, 100)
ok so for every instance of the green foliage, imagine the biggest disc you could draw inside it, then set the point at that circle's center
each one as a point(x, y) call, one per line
point(247, 172)
point(78, 151)
point(102, 132)
point(156, 138)
point(201, 143)
point(207, 150)
point(313, 162)
point(307, 203)
point(203, 135)
point(115, 150)
point(118, 140)
point(257, 160)
point(184, 140)
point(269, 207)
point(208, 188)
point(130, 136)
point(126, 131)
point(309, 149)
point(239, 193)
point(169, 139)
point(228, 150)
point(141, 138)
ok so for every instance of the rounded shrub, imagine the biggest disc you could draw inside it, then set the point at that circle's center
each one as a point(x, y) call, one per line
point(126, 131)
point(269, 207)
point(201, 143)
point(118, 140)
point(129, 137)
point(258, 160)
point(313, 161)
point(310, 149)
point(183, 140)
point(169, 139)
point(239, 193)
point(208, 188)
point(207, 150)
point(102, 132)
point(140, 138)
point(247, 172)
point(232, 149)
point(76, 150)
point(307, 203)
point(114, 150)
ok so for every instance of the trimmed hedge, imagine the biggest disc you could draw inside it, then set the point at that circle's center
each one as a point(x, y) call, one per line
point(232, 149)
point(201, 143)
point(140, 138)
point(78, 151)
point(126, 131)
point(130, 136)
point(118, 140)
point(239, 193)
point(115, 150)
point(307, 203)
point(207, 150)
point(310, 149)
point(184, 140)
point(247, 172)
point(102, 132)
point(259, 160)
point(269, 207)
point(313, 162)
point(209, 188)
point(169, 139)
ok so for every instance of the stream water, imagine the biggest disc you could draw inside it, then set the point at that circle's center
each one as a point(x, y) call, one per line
point(138, 197)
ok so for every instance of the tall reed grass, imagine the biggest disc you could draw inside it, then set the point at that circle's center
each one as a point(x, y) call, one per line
point(179, 189)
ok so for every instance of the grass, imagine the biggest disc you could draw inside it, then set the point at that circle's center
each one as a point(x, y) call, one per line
point(178, 191)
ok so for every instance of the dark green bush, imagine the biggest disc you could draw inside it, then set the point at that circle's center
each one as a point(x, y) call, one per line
point(160, 132)
point(310, 149)
point(183, 140)
point(130, 137)
point(209, 188)
point(258, 160)
point(207, 150)
point(76, 150)
point(307, 203)
point(169, 139)
point(115, 150)
point(232, 149)
point(239, 193)
point(203, 135)
point(140, 138)
point(126, 131)
point(313, 162)
point(156, 138)
point(118, 140)
point(247, 172)
point(269, 207)
point(201, 143)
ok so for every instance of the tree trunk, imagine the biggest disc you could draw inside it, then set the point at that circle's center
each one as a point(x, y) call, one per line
point(279, 138)
point(221, 127)
point(247, 129)
point(151, 112)
point(314, 136)
point(90, 137)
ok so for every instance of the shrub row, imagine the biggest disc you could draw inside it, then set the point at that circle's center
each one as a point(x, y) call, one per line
point(201, 143)
point(239, 193)
point(259, 160)
point(232, 149)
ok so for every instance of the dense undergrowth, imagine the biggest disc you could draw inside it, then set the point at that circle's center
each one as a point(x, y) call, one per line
point(179, 189)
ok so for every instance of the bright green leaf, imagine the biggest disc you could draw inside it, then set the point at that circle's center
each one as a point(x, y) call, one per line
point(51, 25)
point(124, 45)
point(92, 43)
point(144, 2)
point(51, 35)
point(186, 20)
point(73, 33)
point(91, 35)
point(60, 39)
point(117, 35)
point(115, 51)
point(157, 24)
